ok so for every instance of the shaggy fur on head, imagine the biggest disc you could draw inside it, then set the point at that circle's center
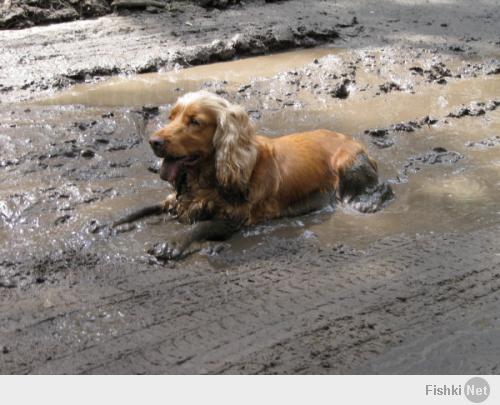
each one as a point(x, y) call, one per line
point(211, 153)
point(233, 140)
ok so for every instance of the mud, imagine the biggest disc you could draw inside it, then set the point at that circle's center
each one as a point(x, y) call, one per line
point(16, 14)
point(192, 35)
point(412, 288)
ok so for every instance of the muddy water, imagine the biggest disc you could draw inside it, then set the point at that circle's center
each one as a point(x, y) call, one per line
point(438, 196)
point(362, 110)
point(164, 88)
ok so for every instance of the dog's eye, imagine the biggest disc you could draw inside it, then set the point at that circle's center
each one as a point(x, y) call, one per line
point(193, 121)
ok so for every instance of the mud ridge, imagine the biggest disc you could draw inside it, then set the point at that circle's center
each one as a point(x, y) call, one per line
point(213, 39)
point(17, 14)
point(381, 136)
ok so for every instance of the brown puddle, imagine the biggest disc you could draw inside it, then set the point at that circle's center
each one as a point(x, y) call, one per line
point(164, 88)
point(439, 197)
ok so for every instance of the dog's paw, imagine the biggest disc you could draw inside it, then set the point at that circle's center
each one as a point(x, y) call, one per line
point(170, 250)
point(170, 204)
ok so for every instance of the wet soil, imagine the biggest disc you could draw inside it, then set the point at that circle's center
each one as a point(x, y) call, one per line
point(43, 59)
point(410, 289)
point(17, 14)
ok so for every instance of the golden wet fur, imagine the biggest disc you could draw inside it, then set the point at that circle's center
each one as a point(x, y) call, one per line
point(242, 176)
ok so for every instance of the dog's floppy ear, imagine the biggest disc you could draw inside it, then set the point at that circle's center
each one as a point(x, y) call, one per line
point(235, 149)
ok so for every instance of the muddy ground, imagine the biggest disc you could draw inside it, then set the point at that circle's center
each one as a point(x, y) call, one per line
point(16, 14)
point(413, 288)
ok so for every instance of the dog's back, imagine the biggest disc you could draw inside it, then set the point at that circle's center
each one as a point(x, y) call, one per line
point(321, 161)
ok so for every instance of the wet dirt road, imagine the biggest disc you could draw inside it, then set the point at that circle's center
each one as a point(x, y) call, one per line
point(411, 289)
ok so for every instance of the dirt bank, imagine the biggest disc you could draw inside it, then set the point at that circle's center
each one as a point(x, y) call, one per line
point(142, 42)
point(23, 14)
point(411, 289)
point(43, 59)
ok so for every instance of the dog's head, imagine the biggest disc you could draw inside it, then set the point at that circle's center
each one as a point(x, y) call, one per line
point(207, 128)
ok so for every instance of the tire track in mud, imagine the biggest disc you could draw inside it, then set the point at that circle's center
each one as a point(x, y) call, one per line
point(308, 318)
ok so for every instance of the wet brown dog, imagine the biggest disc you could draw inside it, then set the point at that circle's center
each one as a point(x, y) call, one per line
point(226, 176)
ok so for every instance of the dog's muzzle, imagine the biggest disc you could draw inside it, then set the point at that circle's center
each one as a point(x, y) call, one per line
point(158, 145)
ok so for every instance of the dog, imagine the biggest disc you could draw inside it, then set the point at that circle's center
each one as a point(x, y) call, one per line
point(226, 176)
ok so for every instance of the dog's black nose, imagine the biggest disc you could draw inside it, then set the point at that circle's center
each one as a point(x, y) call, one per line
point(157, 144)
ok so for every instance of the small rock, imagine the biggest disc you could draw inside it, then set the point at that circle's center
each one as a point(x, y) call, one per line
point(383, 143)
point(62, 219)
point(341, 90)
point(244, 88)
point(472, 111)
point(427, 120)
point(255, 114)
point(378, 133)
point(405, 126)
point(389, 86)
point(417, 70)
point(149, 111)
point(6, 283)
point(87, 153)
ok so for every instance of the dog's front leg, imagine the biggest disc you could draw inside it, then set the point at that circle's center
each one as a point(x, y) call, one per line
point(140, 213)
point(206, 230)
point(156, 209)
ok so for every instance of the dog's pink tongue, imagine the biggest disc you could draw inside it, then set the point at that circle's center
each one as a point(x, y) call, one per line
point(170, 170)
